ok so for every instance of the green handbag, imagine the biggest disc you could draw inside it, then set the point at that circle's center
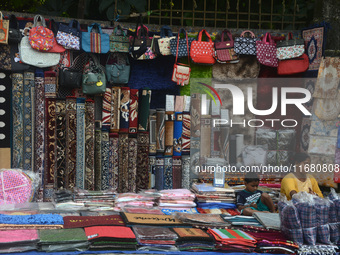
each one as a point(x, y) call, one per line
point(93, 79)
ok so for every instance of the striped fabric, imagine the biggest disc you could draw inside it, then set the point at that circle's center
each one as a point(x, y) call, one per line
point(232, 237)
point(95, 42)
point(106, 119)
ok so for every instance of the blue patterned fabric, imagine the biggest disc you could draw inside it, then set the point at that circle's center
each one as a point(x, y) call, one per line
point(167, 173)
point(35, 219)
point(308, 219)
point(178, 128)
point(216, 205)
point(172, 211)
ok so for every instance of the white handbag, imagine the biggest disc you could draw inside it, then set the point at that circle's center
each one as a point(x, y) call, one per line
point(30, 56)
point(164, 41)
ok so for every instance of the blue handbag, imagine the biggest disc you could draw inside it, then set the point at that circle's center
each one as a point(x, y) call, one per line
point(118, 68)
point(94, 40)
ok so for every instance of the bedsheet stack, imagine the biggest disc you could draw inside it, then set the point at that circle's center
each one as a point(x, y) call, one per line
point(194, 239)
point(177, 199)
point(18, 240)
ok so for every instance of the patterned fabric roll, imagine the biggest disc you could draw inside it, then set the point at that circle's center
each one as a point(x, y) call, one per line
point(186, 172)
point(105, 160)
point(152, 133)
point(178, 128)
point(132, 164)
point(50, 148)
point(124, 110)
point(5, 118)
point(168, 184)
point(80, 159)
point(160, 130)
point(18, 120)
point(39, 141)
point(28, 159)
point(152, 171)
point(176, 172)
point(133, 116)
point(98, 154)
point(113, 161)
point(123, 163)
point(143, 119)
point(89, 145)
point(159, 175)
point(106, 119)
point(195, 115)
point(115, 109)
point(186, 133)
point(142, 161)
point(50, 84)
point(169, 133)
point(60, 112)
point(71, 141)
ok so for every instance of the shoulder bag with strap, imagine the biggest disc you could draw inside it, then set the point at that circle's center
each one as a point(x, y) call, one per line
point(290, 48)
point(202, 52)
point(94, 40)
point(93, 78)
point(181, 72)
point(182, 43)
point(119, 41)
point(162, 45)
point(71, 77)
point(118, 68)
point(69, 35)
point(266, 51)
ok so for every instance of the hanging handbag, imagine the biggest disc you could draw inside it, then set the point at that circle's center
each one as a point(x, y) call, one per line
point(93, 78)
point(140, 43)
point(95, 41)
point(181, 72)
point(69, 35)
point(56, 48)
point(202, 52)
point(266, 51)
point(290, 48)
point(162, 44)
point(71, 77)
point(33, 57)
point(182, 43)
point(224, 50)
point(40, 37)
point(118, 68)
point(245, 45)
point(4, 27)
point(149, 53)
point(293, 66)
point(119, 41)
point(14, 34)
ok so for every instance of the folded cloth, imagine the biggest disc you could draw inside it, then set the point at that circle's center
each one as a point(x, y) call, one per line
point(219, 211)
point(192, 234)
point(150, 219)
point(36, 219)
point(145, 210)
point(172, 211)
point(153, 233)
point(202, 220)
point(216, 205)
point(62, 236)
point(25, 226)
point(229, 237)
point(110, 233)
point(88, 221)
point(16, 236)
point(240, 220)
point(268, 220)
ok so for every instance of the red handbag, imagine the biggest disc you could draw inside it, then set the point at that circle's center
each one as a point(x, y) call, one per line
point(293, 66)
point(202, 52)
point(224, 50)
point(266, 51)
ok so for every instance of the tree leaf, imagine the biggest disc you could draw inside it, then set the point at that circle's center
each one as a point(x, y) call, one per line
point(110, 13)
point(124, 7)
point(104, 5)
point(140, 5)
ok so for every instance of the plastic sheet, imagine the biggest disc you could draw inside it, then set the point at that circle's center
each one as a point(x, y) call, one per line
point(254, 155)
point(266, 136)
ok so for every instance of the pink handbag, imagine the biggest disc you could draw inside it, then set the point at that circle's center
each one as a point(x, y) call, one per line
point(266, 51)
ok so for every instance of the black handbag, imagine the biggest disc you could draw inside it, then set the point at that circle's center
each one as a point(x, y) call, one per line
point(14, 34)
point(71, 77)
point(139, 42)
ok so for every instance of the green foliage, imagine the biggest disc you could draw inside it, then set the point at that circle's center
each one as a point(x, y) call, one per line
point(56, 7)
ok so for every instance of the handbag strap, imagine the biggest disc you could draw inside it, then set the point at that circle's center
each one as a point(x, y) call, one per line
point(53, 26)
point(1, 21)
point(201, 33)
point(39, 19)
point(248, 31)
point(230, 36)
point(118, 27)
point(166, 32)
point(112, 54)
point(137, 53)
point(79, 62)
point(267, 39)
point(143, 29)
point(290, 36)
point(186, 38)
point(13, 22)
point(95, 25)
point(74, 22)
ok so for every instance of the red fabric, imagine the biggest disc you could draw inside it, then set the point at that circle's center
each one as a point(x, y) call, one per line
point(87, 221)
point(110, 232)
point(293, 66)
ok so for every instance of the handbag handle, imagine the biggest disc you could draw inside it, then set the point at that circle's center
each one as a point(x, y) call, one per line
point(72, 22)
point(248, 31)
point(13, 22)
point(144, 29)
point(113, 53)
point(201, 33)
point(142, 49)
point(230, 36)
point(186, 38)
point(94, 25)
point(166, 32)
point(267, 39)
point(1, 23)
point(36, 20)
point(118, 27)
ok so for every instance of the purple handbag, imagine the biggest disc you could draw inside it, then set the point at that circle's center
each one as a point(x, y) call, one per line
point(266, 51)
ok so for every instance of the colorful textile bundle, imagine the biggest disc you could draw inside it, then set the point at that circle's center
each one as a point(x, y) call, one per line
point(18, 240)
point(202, 220)
point(193, 239)
point(141, 199)
point(206, 193)
point(151, 219)
point(233, 240)
point(178, 198)
point(155, 238)
point(88, 221)
point(241, 220)
point(111, 238)
point(231, 212)
point(103, 198)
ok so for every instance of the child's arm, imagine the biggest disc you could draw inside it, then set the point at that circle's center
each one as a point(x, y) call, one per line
point(241, 207)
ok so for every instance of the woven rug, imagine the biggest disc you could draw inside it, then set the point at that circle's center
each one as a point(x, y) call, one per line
point(71, 141)
point(113, 161)
point(18, 120)
point(152, 132)
point(176, 172)
point(60, 144)
point(106, 119)
point(178, 129)
point(133, 116)
point(152, 172)
point(28, 159)
point(123, 163)
point(144, 109)
point(186, 172)
point(115, 109)
point(105, 181)
point(169, 133)
point(89, 145)
point(98, 156)
point(80, 158)
point(5, 110)
point(124, 110)
point(142, 161)
point(186, 133)
point(304, 137)
point(160, 130)
point(132, 164)
point(167, 178)
point(159, 175)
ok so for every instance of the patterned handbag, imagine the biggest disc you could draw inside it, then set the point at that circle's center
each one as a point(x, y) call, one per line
point(40, 37)
point(203, 52)
point(290, 48)
point(140, 43)
point(181, 72)
point(224, 50)
point(119, 41)
point(163, 43)
point(182, 43)
point(94, 40)
point(69, 35)
point(4, 28)
point(246, 45)
point(266, 51)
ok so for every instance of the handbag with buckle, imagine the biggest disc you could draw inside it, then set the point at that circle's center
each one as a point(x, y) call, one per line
point(181, 72)
point(93, 78)
point(118, 68)
point(224, 50)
